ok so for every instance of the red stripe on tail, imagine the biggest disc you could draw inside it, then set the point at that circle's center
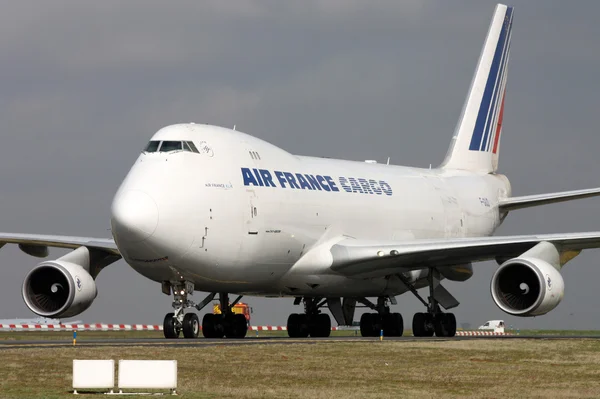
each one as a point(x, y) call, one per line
point(499, 127)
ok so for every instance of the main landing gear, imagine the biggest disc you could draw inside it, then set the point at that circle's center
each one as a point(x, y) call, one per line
point(312, 322)
point(371, 324)
point(434, 320)
point(227, 323)
point(213, 325)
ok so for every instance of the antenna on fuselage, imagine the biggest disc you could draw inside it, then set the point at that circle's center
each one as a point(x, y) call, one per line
point(233, 127)
point(388, 161)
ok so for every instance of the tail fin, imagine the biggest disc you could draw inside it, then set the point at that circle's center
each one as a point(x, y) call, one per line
point(476, 142)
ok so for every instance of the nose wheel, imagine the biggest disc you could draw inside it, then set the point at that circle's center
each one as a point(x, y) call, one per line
point(191, 326)
point(177, 322)
point(170, 328)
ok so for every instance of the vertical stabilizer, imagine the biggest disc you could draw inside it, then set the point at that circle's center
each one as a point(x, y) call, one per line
point(476, 142)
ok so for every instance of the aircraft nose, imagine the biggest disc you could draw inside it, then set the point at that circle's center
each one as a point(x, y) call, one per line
point(134, 216)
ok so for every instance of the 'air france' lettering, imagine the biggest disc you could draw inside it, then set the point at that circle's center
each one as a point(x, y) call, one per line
point(300, 181)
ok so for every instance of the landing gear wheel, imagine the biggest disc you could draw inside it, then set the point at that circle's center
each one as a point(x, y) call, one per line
point(170, 329)
point(235, 326)
point(208, 325)
point(393, 325)
point(242, 325)
point(422, 325)
point(212, 326)
point(320, 326)
point(191, 326)
point(418, 325)
point(366, 325)
point(370, 324)
point(293, 326)
point(303, 322)
point(445, 325)
point(297, 326)
point(451, 324)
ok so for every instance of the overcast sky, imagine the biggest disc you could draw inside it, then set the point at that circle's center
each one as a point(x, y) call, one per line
point(83, 85)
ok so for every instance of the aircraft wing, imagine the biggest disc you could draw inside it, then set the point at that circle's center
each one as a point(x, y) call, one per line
point(356, 258)
point(526, 201)
point(106, 245)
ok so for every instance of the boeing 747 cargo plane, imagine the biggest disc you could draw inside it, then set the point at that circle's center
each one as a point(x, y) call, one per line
point(205, 208)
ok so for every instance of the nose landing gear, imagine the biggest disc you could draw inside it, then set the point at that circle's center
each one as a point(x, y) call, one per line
point(177, 322)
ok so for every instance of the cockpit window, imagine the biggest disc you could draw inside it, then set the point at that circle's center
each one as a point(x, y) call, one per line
point(152, 146)
point(193, 147)
point(168, 146)
point(171, 146)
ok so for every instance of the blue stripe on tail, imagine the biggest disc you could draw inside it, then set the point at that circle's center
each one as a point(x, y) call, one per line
point(489, 127)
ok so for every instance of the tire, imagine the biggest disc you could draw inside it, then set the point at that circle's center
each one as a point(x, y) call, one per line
point(399, 324)
point(208, 325)
point(303, 326)
point(366, 325)
point(451, 324)
point(429, 325)
point(170, 330)
point(422, 325)
point(393, 325)
point(293, 326)
point(212, 326)
point(377, 325)
point(439, 322)
point(445, 325)
point(418, 325)
point(191, 326)
point(242, 325)
point(235, 326)
point(320, 326)
point(325, 324)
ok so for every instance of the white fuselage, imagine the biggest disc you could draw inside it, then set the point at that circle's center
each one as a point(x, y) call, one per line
point(236, 216)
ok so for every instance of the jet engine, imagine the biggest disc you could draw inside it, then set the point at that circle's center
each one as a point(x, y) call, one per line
point(58, 289)
point(527, 286)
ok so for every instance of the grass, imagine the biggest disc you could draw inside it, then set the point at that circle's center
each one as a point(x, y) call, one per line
point(361, 369)
point(591, 333)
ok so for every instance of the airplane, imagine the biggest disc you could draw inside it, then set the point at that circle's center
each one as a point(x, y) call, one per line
point(210, 209)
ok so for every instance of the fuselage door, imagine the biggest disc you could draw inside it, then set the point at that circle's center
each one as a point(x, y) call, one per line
point(252, 216)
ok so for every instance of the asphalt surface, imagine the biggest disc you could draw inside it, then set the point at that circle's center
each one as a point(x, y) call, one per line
point(185, 343)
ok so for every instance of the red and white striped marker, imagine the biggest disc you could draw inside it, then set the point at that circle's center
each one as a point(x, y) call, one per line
point(277, 328)
point(476, 333)
point(80, 327)
point(154, 327)
point(113, 327)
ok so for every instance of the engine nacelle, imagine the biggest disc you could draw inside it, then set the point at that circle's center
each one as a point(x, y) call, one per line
point(527, 286)
point(58, 289)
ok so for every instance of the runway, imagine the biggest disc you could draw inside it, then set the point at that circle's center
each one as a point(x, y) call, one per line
point(186, 343)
